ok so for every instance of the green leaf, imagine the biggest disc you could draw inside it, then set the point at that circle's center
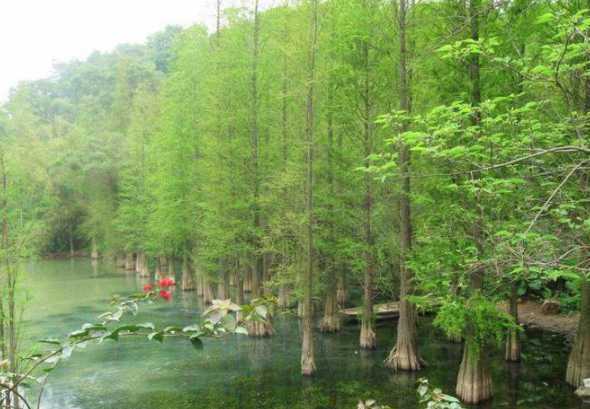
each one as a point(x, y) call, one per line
point(262, 311)
point(156, 336)
point(229, 322)
point(192, 328)
point(196, 342)
point(172, 330)
point(114, 335)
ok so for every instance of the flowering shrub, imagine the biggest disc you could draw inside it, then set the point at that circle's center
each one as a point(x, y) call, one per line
point(166, 282)
point(163, 284)
point(167, 295)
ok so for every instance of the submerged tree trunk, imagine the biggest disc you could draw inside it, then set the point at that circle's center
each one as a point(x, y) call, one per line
point(512, 339)
point(578, 365)
point(308, 367)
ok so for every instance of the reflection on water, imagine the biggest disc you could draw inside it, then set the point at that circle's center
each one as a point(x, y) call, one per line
point(243, 373)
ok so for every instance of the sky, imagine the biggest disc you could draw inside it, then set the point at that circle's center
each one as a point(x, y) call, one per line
point(36, 33)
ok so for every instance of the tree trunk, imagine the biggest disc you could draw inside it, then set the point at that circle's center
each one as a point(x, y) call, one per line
point(208, 295)
point(248, 281)
point(578, 365)
point(283, 296)
point(171, 267)
point(188, 279)
point(129, 261)
point(224, 293)
point(257, 276)
point(512, 340)
point(368, 339)
point(71, 240)
point(239, 289)
point(331, 320)
point(341, 289)
point(141, 265)
point(474, 383)
point(307, 348)
point(405, 354)
point(94, 252)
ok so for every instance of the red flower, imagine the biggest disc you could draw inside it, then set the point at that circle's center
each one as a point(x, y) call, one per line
point(167, 295)
point(166, 282)
point(147, 288)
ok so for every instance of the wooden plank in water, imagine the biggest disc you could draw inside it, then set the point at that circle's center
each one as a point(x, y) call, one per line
point(382, 311)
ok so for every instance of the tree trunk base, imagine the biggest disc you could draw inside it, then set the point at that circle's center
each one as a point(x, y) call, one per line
point(308, 367)
point(300, 309)
point(474, 383)
point(330, 323)
point(578, 364)
point(188, 280)
point(512, 347)
point(260, 329)
point(368, 339)
point(404, 357)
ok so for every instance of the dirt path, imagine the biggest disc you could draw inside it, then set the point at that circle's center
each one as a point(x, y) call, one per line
point(530, 315)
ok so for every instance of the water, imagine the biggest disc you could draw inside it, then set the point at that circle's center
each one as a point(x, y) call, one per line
point(243, 373)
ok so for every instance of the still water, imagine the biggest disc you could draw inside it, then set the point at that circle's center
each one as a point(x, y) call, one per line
point(243, 373)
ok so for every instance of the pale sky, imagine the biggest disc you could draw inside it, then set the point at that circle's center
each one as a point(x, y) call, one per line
point(35, 33)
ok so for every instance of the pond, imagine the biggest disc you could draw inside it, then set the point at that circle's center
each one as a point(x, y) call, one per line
point(243, 373)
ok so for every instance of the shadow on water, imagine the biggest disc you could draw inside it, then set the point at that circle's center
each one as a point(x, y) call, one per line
point(243, 373)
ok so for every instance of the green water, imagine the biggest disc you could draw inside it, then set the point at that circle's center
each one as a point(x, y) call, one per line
point(243, 373)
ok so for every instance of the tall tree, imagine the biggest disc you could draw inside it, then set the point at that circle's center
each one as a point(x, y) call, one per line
point(308, 366)
point(405, 353)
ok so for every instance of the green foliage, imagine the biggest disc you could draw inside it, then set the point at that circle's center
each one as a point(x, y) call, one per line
point(434, 398)
point(476, 318)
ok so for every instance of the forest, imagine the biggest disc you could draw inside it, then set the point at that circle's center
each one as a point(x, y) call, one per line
point(319, 155)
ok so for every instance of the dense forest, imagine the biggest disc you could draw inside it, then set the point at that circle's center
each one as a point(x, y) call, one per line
point(328, 153)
